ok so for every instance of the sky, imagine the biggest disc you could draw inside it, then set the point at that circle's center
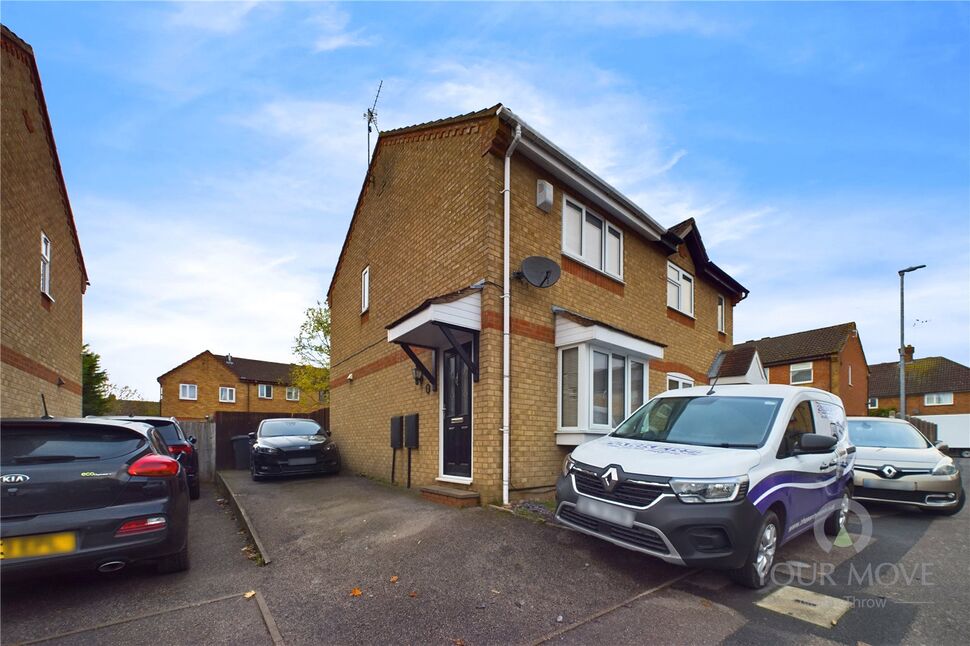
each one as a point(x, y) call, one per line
point(213, 152)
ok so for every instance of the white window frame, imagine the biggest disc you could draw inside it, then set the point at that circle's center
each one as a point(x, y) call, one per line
point(683, 381)
point(227, 395)
point(938, 399)
point(365, 289)
point(798, 367)
point(185, 389)
point(872, 403)
point(584, 396)
point(721, 314)
point(45, 265)
point(850, 374)
point(264, 388)
point(296, 398)
point(607, 228)
point(679, 283)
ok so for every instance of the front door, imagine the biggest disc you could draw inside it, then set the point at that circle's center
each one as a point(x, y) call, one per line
point(457, 425)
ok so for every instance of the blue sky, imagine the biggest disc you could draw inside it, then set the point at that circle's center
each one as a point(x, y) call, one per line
point(213, 151)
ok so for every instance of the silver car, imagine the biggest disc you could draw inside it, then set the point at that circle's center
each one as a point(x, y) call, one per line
point(895, 463)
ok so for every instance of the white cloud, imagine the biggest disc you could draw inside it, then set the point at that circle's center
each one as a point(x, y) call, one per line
point(332, 21)
point(220, 17)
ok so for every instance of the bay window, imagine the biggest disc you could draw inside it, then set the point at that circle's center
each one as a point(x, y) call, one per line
point(599, 387)
point(592, 240)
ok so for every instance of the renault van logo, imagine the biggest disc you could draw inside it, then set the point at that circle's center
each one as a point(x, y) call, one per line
point(888, 471)
point(610, 478)
point(14, 478)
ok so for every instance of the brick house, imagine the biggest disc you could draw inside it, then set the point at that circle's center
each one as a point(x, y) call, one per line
point(417, 307)
point(43, 273)
point(209, 382)
point(937, 390)
point(830, 358)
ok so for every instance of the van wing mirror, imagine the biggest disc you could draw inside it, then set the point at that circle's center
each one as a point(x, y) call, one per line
point(809, 443)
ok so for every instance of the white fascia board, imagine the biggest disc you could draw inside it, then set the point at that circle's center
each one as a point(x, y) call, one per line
point(465, 312)
point(570, 333)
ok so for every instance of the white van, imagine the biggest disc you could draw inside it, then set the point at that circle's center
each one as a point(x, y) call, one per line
point(714, 477)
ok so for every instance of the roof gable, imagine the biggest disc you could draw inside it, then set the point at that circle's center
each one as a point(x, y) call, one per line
point(687, 233)
point(255, 370)
point(802, 346)
point(926, 375)
point(17, 47)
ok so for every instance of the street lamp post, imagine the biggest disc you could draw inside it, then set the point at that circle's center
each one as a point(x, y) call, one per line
point(902, 342)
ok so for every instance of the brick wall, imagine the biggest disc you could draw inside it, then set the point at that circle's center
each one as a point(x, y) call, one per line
point(209, 374)
point(961, 404)
point(41, 338)
point(821, 373)
point(854, 395)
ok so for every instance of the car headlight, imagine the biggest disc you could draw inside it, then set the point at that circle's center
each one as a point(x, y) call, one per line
point(709, 490)
point(268, 450)
point(567, 465)
point(945, 468)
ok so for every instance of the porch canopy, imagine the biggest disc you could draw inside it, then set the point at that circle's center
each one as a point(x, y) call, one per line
point(572, 328)
point(451, 321)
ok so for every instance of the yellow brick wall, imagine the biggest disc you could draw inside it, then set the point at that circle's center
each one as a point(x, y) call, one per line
point(209, 374)
point(44, 336)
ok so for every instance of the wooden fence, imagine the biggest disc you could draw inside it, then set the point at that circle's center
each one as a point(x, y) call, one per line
point(229, 424)
point(926, 428)
point(205, 445)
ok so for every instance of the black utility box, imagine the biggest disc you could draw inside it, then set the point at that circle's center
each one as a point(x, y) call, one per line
point(411, 431)
point(397, 436)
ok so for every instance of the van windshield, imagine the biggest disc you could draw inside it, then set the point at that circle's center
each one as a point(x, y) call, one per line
point(730, 422)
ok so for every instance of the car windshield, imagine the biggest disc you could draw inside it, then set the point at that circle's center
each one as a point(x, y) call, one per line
point(281, 427)
point(170, 432)
point(733, 422)
point(885, 434)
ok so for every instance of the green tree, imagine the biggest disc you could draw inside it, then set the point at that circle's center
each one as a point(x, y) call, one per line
point(312, 348)
point(94, 381)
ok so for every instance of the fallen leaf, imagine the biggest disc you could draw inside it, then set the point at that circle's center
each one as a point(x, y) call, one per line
point(250, 594)
point(412, 594)
point(355, 592)
point(394, 579)
point(494, 591)
point(458, 642)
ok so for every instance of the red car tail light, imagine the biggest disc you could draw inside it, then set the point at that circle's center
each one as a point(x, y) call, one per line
point(142, 526)
point(180, 448)
point(154, 466)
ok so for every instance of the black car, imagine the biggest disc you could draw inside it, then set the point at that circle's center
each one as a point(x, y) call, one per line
point(291, 446)
point(178, 444)
point(89, 494)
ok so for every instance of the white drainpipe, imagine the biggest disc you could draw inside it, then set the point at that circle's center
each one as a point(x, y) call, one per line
point(506, 312)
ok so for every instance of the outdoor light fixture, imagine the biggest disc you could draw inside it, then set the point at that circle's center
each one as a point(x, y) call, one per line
point(418, 376)
point(902, 343)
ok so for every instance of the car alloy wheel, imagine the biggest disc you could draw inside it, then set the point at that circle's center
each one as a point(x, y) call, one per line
point(766, 549)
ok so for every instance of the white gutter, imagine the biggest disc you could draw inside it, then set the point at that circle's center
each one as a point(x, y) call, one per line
point(506, 310)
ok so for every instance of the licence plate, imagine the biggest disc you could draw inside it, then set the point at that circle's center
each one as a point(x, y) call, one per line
point(18, 547)
point(895, 485)
point(299, 462)
point(605, 511)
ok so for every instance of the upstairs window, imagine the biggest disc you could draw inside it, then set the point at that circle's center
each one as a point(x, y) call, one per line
point(188, 391)
point(265, 391)
point(801, 373)
point(591, 239)
point(365, 289)
point(938, 399)
point(292, 394)
point(721, 309)
point(45, 265)
point(680, 289)
point(227, 395)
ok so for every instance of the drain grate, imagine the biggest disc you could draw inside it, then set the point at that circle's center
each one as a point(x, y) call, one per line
point(819, 609)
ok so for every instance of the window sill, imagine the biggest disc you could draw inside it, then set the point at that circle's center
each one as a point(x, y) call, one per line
point(186, 399)
point(801, 383)
point(454, 479)
point(576, 436)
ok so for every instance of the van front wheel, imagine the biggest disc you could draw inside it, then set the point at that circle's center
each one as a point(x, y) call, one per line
point(756, 570)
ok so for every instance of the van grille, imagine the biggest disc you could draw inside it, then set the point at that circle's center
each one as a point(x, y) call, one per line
point(628, 493)
point(636, 536)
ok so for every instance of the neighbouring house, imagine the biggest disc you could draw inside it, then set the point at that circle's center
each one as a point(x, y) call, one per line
point(417, 308)
point(132, 407)
point(208, 383)
point(739, 365)
point(43, 273)
point(937, 390)
point(830, 358)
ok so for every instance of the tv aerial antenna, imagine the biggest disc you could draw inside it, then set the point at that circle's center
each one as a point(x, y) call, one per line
point(371, 117)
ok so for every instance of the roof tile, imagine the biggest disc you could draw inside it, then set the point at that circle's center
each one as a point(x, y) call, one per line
point(926, 375)
point(810, 344)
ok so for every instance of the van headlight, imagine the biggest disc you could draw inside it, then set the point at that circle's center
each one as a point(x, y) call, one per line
point(567, 465)
point(945, 468)
point(709, 489)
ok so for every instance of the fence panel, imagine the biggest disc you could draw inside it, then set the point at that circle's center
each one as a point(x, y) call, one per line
point(925, 427)
point(232, 424)
point(205, 446)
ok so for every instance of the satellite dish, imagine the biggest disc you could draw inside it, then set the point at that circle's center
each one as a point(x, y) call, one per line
point(539, 271)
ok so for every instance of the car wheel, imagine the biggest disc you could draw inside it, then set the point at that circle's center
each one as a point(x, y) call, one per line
point(195, 490)
point(178, 562)
point(836, 520)
point(951, 511)
point(965, 453)
point(756, 570)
